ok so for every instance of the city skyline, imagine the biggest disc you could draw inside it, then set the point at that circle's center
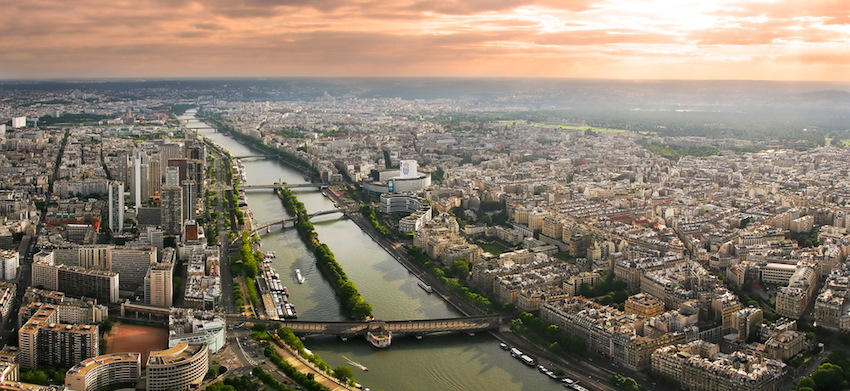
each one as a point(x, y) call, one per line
point(615, 39)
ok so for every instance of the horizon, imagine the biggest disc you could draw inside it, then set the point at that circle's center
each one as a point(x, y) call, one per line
point(735, 40)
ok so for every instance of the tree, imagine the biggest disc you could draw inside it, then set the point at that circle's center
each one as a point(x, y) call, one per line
point(343, 373)
point(460, 268)
point(362, 310)
point(829, 377)
point(220, 387)
point(806, 382)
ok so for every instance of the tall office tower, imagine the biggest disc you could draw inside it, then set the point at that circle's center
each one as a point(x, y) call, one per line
point(190, 199)
point(198, 152)
point(116, 206)
point(182, 164)
point(196, 172)
point(140, 177)
point(158, 285)
point(172, 176)
point(168, 151)
point(123, 167)
point(172, 210)
point(154, 175)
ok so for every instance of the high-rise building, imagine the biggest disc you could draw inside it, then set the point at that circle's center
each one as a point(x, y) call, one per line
point(9, 261)
point(43, 341)
point(116, 206)
point(182, 164)
point(132, 265)
point(154, 175)
point(172, 210)
point(123, 167)
point(172, 176)
point(158, 285)
point(190, 199)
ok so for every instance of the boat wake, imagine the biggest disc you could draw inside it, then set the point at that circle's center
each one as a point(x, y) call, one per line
point(355, 363)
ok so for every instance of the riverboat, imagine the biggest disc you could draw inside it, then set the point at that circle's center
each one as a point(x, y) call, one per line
point(426, 287)
point(298, 276)
point(380, 338)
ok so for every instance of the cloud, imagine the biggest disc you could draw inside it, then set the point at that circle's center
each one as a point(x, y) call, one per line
point(557, 38)
point(831, 11)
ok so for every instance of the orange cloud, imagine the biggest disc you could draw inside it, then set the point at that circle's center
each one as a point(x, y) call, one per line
point(519, 38)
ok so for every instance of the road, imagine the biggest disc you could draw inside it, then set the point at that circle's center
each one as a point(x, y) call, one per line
point(228, 304)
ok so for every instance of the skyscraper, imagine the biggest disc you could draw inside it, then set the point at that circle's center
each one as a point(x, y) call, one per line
point(172, 210)
point(190, 199)
point(140, 177)
point(155, 174)
point(116, 206)
point(172, 176)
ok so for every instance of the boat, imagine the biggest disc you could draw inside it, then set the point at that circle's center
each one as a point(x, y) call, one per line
point(516, 352)
point(504, 346)
point(382, 339)
point(298, 276)
point(269, 254)
point(425, 286)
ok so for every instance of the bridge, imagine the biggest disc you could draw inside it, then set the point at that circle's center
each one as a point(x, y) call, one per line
point(250, 156)
point(396, 327)
point(277, 185)
point(291, 220)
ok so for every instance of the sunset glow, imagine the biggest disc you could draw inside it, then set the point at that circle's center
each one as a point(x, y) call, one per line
point(619, 39)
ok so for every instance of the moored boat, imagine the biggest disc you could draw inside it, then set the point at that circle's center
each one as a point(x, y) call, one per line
point(425, 286)
point(380, 338)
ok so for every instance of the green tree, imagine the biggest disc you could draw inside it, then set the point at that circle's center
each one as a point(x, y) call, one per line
point(343, 373)
point(220, 387)
point(460, 268)
point(806, 382)
point(829, 377)
point(362, 310)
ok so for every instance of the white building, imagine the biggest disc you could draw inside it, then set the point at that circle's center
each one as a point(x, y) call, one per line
point(10, 262)
point(19, 122)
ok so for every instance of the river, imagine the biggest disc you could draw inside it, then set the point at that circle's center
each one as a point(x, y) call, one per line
point(456, 362)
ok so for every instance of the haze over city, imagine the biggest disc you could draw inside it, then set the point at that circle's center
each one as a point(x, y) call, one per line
point(615, 39)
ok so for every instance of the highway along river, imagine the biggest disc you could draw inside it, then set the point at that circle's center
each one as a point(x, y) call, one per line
point(456, 362)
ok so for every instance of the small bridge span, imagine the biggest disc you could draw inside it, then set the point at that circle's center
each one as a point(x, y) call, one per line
point(289, 222)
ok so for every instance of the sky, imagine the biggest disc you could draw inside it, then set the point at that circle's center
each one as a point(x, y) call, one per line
point(608, 39)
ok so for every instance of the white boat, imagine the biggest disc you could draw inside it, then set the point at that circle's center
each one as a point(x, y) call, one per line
point(382, 339)
point(425, 286)
point(298, 276)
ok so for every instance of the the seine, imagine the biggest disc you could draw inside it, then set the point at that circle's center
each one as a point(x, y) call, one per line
point(457, 362)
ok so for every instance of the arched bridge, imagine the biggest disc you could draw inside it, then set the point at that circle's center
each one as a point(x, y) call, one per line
point(289, 222)
point(277, 185)
point(397, 327)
